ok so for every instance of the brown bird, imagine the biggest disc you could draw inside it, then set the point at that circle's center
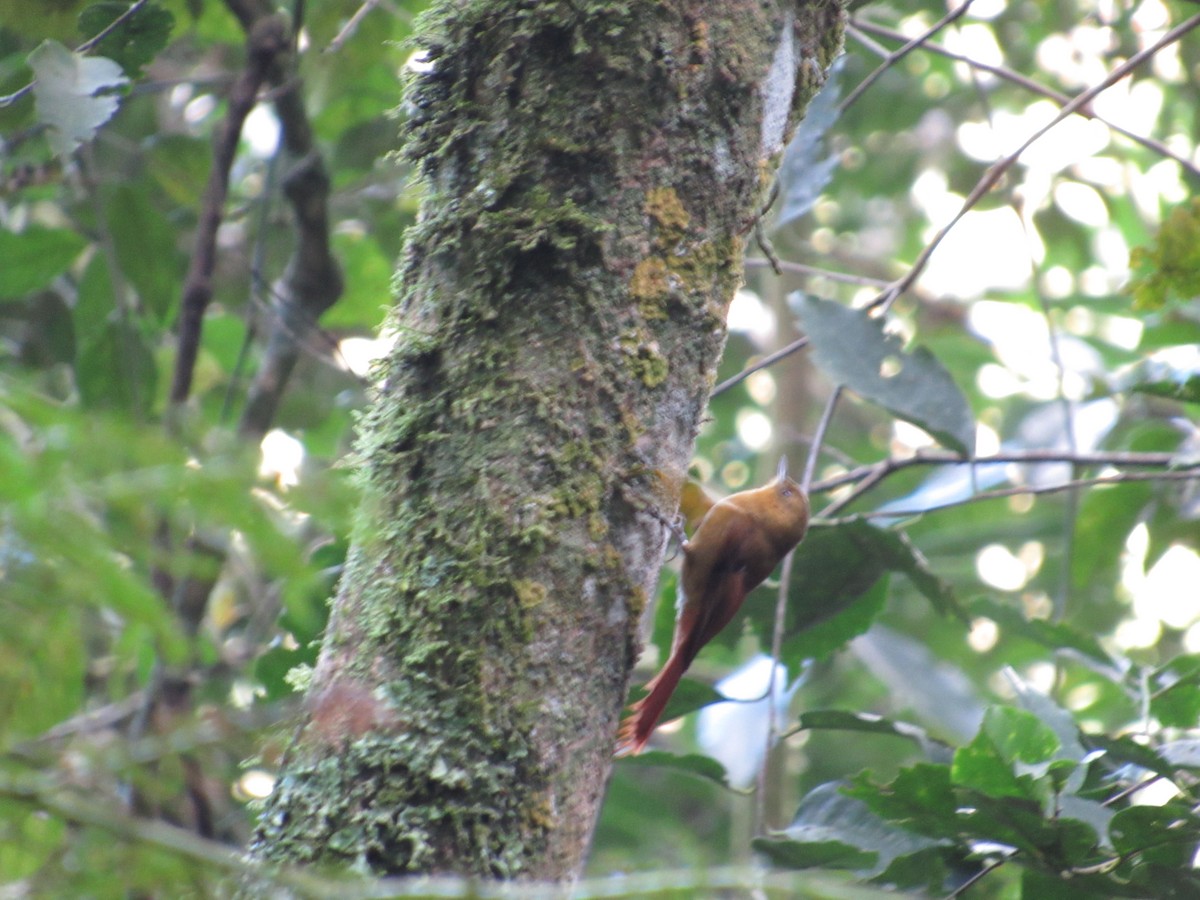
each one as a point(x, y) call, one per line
point(735, 547)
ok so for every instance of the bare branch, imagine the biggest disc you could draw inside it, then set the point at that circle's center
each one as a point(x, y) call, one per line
point(268, 39)
point(869, 476)
point(898, 55)
point(994, 173)
point(775, 357)
point(1191, 474)
point(860, 28)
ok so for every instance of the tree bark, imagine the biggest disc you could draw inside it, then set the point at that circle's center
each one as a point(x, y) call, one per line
point(593, 169)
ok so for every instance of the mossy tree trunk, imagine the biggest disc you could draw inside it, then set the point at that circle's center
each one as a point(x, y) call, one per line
point(593, 171)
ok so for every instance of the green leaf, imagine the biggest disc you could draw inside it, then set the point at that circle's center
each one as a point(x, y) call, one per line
point(138, 39)
point(868, 723)
point(34, 258)
point(1170, 270)
point(851, 347)
point(1183, 753)
point(179, 165)
point(1174, 374)
point(938, 691)
point(1008, 736)
point(923, 871)
point(117, 370)
point(1172, 830)
point(1053, 635)
point(368, 290)
point(689, 696)
point(853, 615)
point(68, 93)
point(145, 246)
point(1019, 736)
point(813, 854)
point(1096, 816)
point(1061, 723)
point(692, 763)
point(837, 588)
point(1020, 822)
point(1176, 700)
point(827, 815)
point(1122, 750)
point(921, 797)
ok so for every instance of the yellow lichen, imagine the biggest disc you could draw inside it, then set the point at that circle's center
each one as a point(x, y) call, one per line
point(663, 205)
point(530, 593)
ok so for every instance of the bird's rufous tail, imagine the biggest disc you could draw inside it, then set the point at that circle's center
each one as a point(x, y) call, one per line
point(636, 729)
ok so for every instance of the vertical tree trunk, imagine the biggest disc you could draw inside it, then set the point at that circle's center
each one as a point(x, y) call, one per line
point(593, 170)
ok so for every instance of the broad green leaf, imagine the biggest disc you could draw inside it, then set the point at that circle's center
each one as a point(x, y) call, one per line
point(827, 815)
point(1058, 843)
point(116, 369)
point(1174, 374)
point(978, 766)
point(693, 764)
point(1175, 700)
point(179, 165)
point(1007, 737)
point(1018, 735)
point(1172, 826)
point(42, 663)
point(854, 615)
point(812, 854)
point(836, 589)
point(35, 257)
point(938, 691)
point(1184, 753)
point(921, 797)
point(689, 696)
point(925, 871)
point(94, 301)
point(145, 246)
point(1125, 750)
point(68, 93)
point(1053, 635)
point(34, 840)
point(368, 280)
point(139, 38)
point(852, 349)
point(840, 720)
point(1095, 815)
point(1060, 722)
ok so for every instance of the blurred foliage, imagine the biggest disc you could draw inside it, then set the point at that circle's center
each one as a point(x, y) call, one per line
point(1002, 693)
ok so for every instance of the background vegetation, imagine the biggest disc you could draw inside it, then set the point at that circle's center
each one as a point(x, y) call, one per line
point(993, 671)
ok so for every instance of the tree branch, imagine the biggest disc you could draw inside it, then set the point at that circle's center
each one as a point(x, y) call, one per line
point(1190, 474)
point(993, 174)
point(860, 28)
point(267, 40)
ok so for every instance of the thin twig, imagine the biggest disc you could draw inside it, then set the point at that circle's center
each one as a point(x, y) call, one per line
point(949, 457)
point(112, 26)
point(267, 40)
point(785, 579)
point(898, 55)
point(796, 268)
point(994, 173)
point(859, 26)
point(350, 27)
point(814, 450)
point(775, 357)
point(1192, 474)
